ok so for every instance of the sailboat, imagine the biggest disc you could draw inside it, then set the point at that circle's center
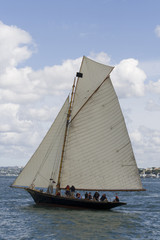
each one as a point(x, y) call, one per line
point(87, 147)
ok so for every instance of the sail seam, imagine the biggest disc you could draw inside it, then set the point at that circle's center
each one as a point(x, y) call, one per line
point(122, 147)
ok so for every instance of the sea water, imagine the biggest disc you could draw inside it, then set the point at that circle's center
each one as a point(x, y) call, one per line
point(21, 219)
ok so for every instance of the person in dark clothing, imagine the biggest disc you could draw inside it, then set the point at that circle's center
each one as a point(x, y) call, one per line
point(96, 196)
point(78, 195)
point(103, 198)
point(86, 195)
point(68, 193)
point(72, 189)
point(116, 199)
point(89, 196)
point(58, 194)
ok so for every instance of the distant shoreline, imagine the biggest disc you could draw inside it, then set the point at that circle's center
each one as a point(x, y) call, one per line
point(153, 172)
point(10, 171)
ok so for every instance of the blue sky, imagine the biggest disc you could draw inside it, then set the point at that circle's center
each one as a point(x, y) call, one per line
point(42, 41)
point(67, 29)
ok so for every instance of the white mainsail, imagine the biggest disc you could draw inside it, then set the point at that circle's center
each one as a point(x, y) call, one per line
point(98, 151)
point(44, 164)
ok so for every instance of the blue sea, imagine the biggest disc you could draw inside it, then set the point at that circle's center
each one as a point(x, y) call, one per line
point(21, 219)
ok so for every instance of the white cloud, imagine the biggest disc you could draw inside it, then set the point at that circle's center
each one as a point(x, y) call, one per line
point(128, 78)
point(13, 46)
point(55, 79)
point(157, 30)
point(146, 143)
point(23, 85)
point(43, 114)
point(152, 106)
point(101, 57)
point(153, 87)
point(151, 68)
point(10, 122)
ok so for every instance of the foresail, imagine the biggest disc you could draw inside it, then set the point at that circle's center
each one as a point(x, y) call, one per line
point(98, 152)
point(44, 164)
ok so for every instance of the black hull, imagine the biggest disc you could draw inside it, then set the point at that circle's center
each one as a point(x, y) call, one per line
point(46, 199)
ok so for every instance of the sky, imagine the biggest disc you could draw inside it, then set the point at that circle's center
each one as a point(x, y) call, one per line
point(41, 47)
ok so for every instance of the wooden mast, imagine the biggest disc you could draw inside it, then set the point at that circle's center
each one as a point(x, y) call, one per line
point(66, 130)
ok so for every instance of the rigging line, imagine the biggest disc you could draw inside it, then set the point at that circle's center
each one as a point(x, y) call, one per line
point(44, 177)
point(89, 98)
point(46, 155)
